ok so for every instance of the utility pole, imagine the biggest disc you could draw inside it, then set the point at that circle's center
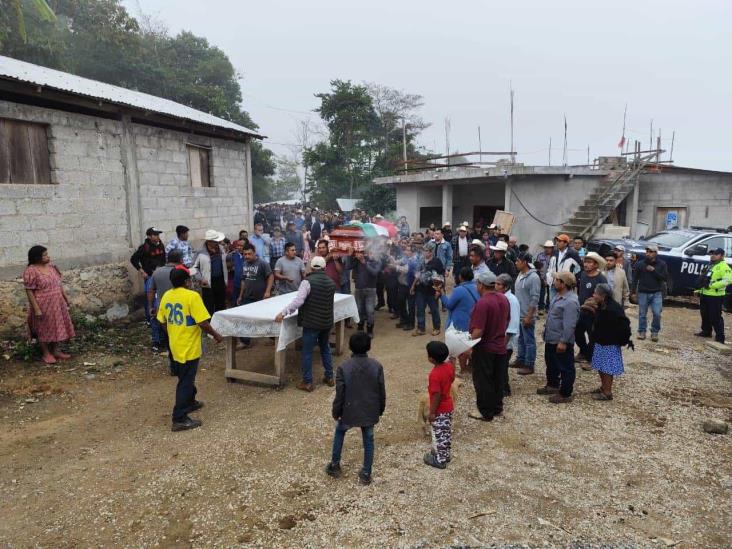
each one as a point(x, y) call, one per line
point(588, 155)
point(564, 150)
point(550, 151)
point(673, 137)
point(404, 142)
point(480, 148)
point(650, 138)
point(513, 155)
point(447, 140)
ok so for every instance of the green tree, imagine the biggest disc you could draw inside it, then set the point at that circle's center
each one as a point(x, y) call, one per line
point(367, 127)
point(287, 184)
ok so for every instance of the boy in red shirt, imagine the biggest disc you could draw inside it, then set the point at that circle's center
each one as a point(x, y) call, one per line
point(440, 381)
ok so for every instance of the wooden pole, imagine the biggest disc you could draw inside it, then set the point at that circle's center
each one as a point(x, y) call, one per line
point(404, 142)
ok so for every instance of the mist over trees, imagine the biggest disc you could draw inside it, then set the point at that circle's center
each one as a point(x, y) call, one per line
point(366, 125)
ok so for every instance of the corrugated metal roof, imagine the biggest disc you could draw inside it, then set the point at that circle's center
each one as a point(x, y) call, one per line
point(77, 85)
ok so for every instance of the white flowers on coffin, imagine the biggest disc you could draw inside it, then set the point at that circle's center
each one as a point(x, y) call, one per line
point(458, 342)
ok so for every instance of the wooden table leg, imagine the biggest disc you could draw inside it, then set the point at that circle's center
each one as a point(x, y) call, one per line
point(340, 337)
point(280, 361)
point(230, 356)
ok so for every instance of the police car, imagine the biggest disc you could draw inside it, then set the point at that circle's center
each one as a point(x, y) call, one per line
point(685, 251)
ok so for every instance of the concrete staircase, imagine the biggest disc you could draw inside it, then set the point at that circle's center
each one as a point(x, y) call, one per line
point(608, 195)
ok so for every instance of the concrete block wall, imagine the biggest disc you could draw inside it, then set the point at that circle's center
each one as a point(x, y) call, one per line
point(82, 217)
point(78, 217)
point(166, 193)
point(707, 196)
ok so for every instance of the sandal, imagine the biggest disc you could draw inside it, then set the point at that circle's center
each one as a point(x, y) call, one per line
point(602, 396)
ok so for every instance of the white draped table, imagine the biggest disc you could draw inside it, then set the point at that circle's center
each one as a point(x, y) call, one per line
point(257, 320)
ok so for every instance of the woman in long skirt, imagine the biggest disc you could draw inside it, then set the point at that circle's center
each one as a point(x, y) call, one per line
point(611, 331)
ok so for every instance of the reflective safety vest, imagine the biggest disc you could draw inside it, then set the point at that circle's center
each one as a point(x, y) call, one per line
point(719, 277)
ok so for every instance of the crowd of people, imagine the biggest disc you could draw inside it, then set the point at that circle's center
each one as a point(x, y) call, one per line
point(493, 288)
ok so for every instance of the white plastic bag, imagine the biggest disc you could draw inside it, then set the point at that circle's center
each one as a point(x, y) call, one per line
point(458, 342)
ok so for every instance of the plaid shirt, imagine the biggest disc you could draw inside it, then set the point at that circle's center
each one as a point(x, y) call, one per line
point(277, 247)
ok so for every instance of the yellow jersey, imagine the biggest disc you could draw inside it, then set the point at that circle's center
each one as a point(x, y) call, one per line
point(183, 310)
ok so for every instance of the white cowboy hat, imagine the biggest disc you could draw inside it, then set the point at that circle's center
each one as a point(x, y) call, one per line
point(500, 246)
point(597, 258)
point(549, 244)
point(477, 242)
point(214, 235)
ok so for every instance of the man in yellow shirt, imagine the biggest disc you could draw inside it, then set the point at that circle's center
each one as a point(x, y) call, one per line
point(182, 313)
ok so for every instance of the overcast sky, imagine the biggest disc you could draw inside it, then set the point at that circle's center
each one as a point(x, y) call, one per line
point(669, 60)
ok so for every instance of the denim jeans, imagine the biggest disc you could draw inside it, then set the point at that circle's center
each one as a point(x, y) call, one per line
point(158, 334)
point(148, 285)
point(560, 371)
point(311, 336)
point(655, 301)
point(367, 434)
point(366, 303)
point(526, 346)
point(421, 300)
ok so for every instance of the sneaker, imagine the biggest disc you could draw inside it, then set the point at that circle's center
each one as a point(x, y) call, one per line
point(431, 460)
point(329, 381)
point(654, 337)
point(187, 423)
point(364, 479)
point(306, 387)
point(333, 470)
point(641, 336)
point(525, 371)
point(547, 390)
point(559, 399)
point(418, 332)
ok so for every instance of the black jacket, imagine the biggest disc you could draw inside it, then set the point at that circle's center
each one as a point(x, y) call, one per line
point(611, 326)
point(149, 256)
point(649, 282)
point(360, 397)
point(504, 266)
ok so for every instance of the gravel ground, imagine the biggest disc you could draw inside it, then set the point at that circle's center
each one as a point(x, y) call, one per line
point(87, 457)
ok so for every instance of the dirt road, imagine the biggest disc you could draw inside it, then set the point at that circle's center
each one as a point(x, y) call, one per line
point(87, 457)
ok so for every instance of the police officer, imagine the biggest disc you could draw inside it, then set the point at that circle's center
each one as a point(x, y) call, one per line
point(711, 295)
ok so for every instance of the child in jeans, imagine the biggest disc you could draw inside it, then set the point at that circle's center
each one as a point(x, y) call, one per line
point(440, 381)
point(359, 401)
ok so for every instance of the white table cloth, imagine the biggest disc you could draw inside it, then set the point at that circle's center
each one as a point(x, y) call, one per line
point(258, 319)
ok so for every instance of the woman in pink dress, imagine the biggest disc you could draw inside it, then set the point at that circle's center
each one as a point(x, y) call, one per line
point(48, 315)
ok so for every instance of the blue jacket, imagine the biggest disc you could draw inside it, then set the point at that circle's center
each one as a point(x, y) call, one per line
point(238, 262)
point(443, 252)
point(460, 304)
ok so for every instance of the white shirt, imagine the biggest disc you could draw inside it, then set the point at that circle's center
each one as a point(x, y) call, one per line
point(462, 246)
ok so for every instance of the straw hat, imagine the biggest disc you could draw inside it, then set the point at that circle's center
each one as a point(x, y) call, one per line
point(212, 234)
point(597, 258)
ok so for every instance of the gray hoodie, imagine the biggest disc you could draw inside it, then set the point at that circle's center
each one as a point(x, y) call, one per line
point(527, 290)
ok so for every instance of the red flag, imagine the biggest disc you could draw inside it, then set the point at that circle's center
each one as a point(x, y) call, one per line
point(621, 143)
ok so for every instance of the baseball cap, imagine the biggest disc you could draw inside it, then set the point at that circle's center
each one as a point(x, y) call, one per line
point(487, 278)
point(317, 263)
point(152, 231)
point(716, 251)
point(564, 237)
